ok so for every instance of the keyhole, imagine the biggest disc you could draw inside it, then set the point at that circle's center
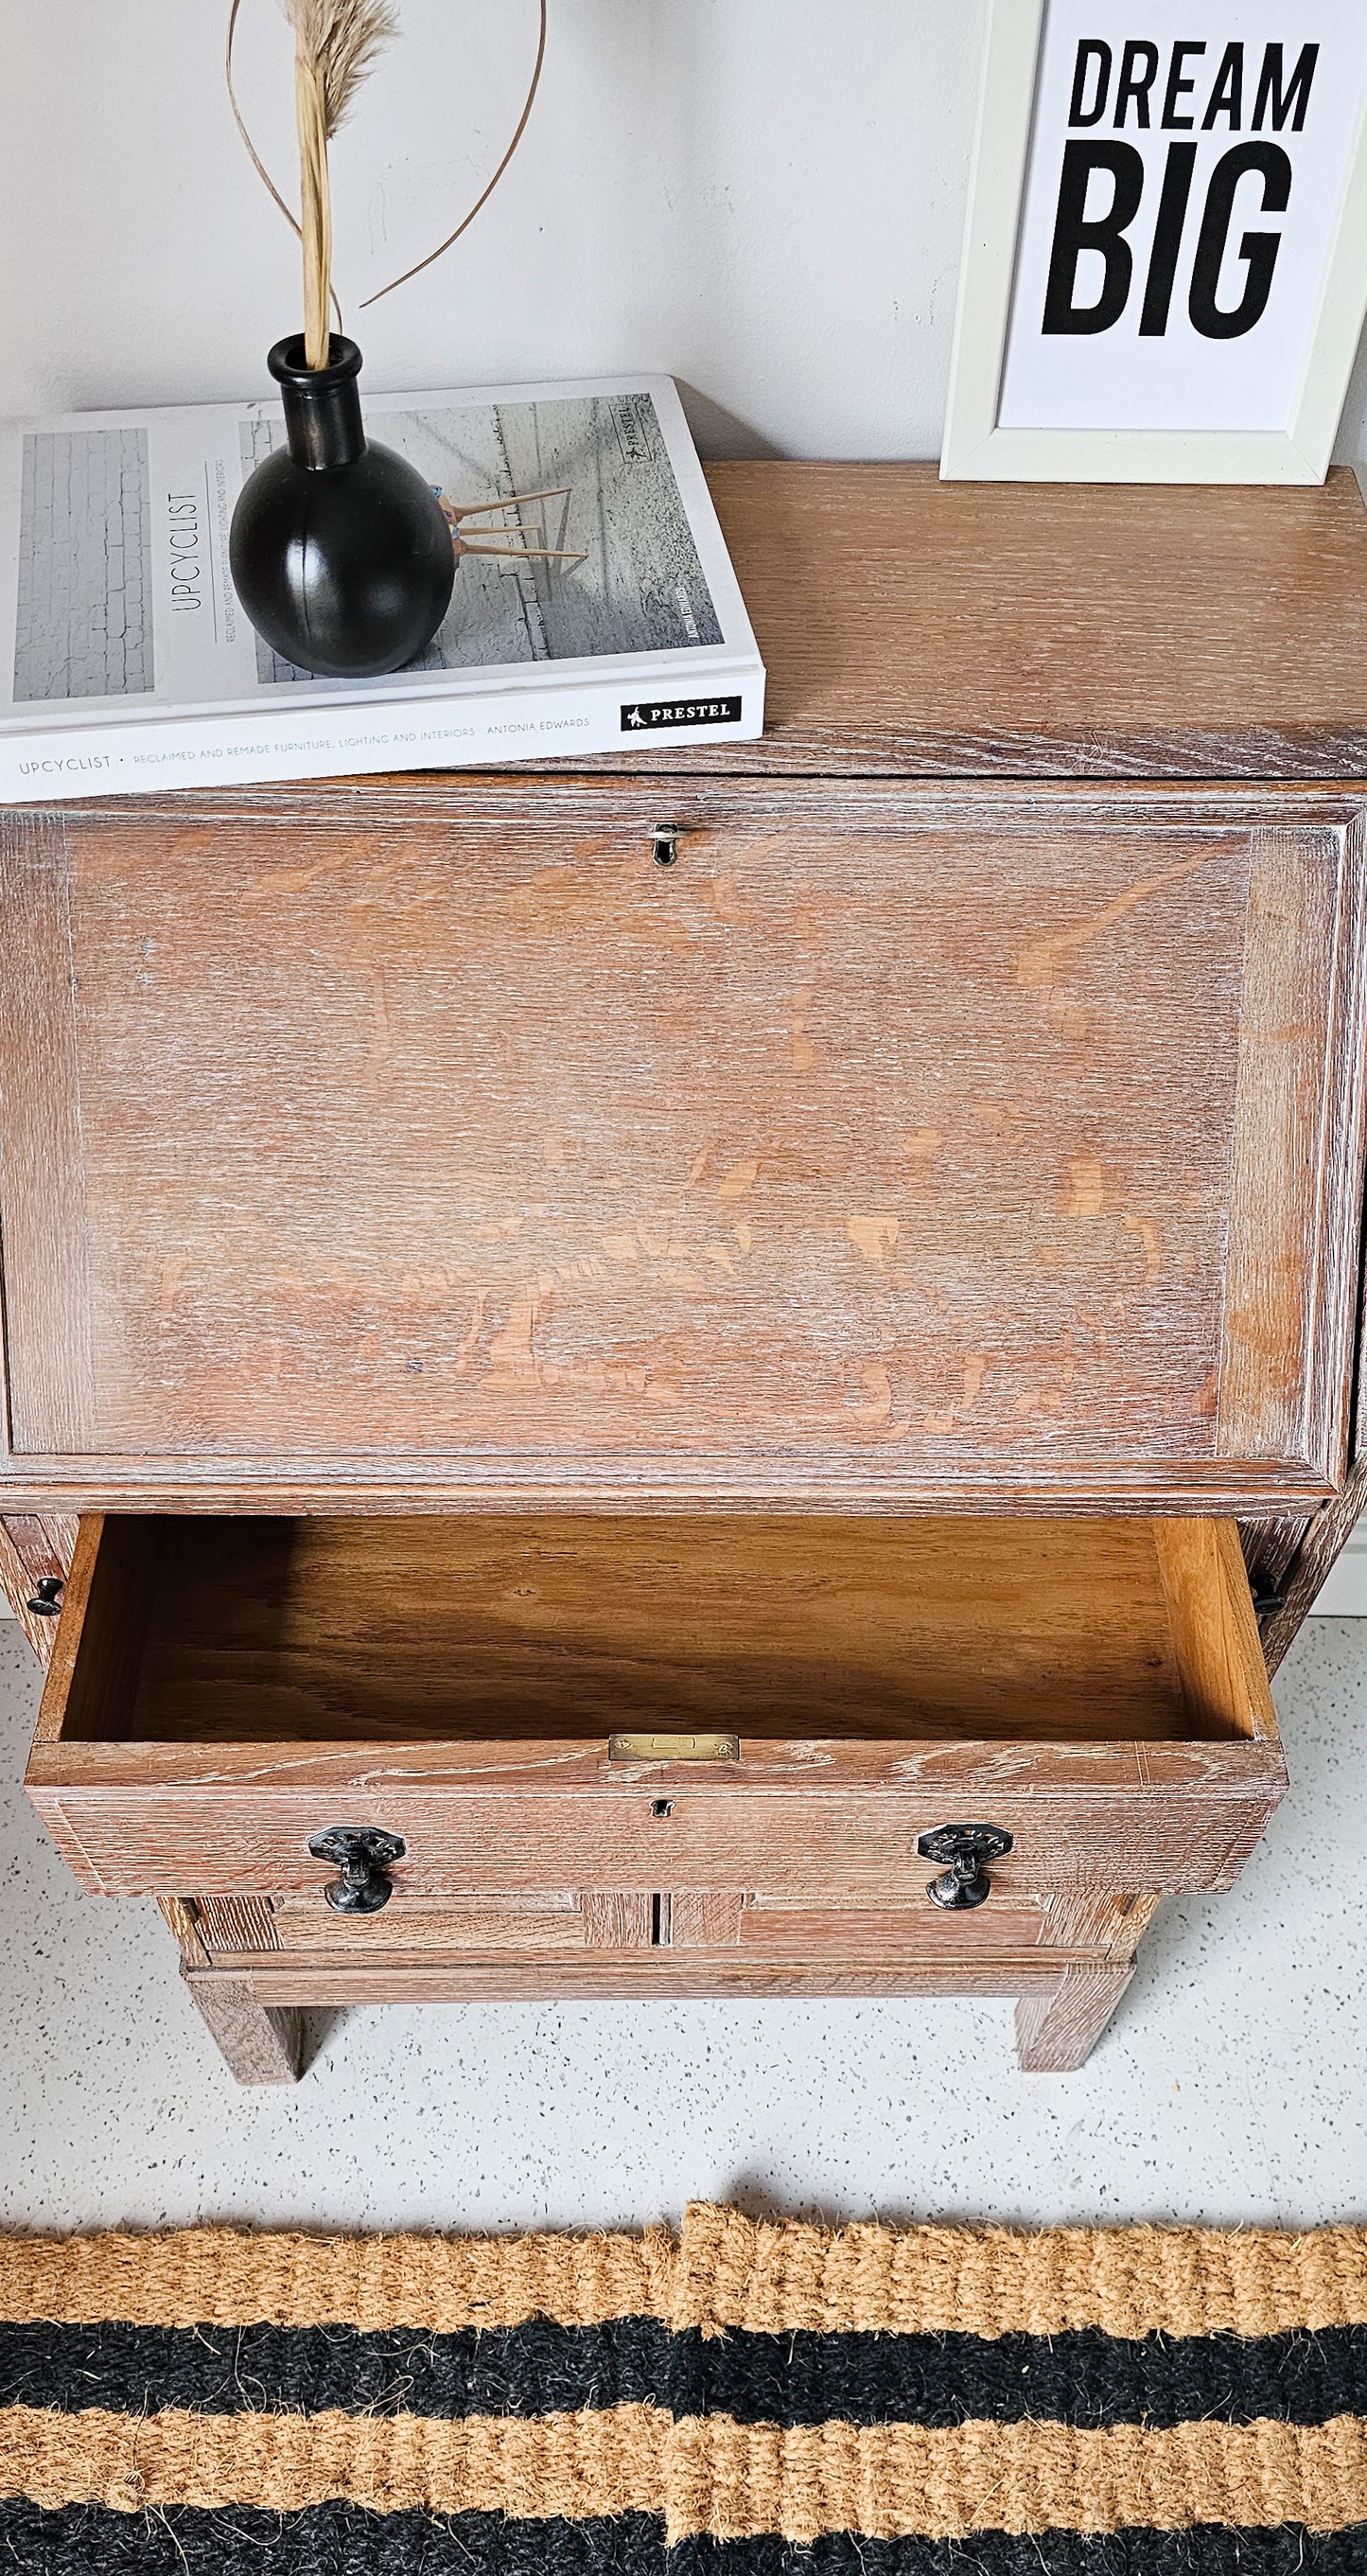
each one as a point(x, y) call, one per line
point(664, 844)
point(662, 1806)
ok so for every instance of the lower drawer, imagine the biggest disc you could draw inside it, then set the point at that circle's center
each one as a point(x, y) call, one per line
point(616, 1921)
point(296, 1951)
point(662, 1716)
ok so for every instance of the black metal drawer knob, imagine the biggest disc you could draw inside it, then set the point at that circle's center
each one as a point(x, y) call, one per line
point(966, 1850)
point(363, 1855)
point(47, 1597)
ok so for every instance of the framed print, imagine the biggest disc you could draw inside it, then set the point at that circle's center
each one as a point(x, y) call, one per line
point(1165, 270)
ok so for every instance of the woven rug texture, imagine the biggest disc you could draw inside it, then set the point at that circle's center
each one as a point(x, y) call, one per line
point(744, 2399)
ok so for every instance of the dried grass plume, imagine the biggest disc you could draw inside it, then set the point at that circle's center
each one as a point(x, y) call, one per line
point(335, 45)
point(339, 40)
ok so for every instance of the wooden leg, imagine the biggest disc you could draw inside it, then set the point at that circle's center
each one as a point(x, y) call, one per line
point(1057, 2031)
point(261, 2043)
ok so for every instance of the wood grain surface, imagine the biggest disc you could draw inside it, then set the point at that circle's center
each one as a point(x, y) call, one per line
point(1292, 1559)
point(1121, 1829)
point(885, 1149)
point(624, 1977)
point(1106, 1925)
point(1307, 1563)
point(256, 1630)
point(414, 1927)
point(536, 1924)
point(98, 1649)
point(1294, 1253)
point(241, 1922)
point(180, 1914)
point(262, 2042)
point(704, 1919)
point(568, 1629)
point(911, 626)
point(49, 1381)
point(618, 1921)
point(1214, 1633)
point(1055, 2033)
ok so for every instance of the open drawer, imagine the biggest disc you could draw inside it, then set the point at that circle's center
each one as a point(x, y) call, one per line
point(775, 1708)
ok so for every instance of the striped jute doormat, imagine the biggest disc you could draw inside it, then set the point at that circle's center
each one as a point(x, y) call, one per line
point(744, 2400)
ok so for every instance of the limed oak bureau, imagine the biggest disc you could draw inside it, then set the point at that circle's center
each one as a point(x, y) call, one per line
point(624, 1429)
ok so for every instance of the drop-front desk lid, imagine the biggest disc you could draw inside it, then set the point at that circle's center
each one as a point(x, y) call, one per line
point(901, 1146)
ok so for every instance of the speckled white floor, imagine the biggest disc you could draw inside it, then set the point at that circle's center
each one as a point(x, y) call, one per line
point(1232, 2085)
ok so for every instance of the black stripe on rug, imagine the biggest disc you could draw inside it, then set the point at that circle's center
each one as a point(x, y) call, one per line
point(343, 2540)
point(536, 2369)
point(1083, 2378)
point(1209, 2549)
point(330, 2540)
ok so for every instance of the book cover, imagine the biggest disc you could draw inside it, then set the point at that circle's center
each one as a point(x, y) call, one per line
point(128, 665)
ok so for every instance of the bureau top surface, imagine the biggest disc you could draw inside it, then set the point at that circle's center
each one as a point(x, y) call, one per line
point(917, 629)
point(956, 629)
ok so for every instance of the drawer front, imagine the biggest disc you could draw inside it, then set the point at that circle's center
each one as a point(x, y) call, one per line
point(566, 1924)
point(1145, 1817)
point(679, 1920)
point(897, 1143)
point(224, 1695)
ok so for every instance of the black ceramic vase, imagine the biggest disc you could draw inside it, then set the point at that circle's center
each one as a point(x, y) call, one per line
point(340, 554)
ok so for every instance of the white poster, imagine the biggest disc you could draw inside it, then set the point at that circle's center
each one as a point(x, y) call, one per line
point(1185, 181)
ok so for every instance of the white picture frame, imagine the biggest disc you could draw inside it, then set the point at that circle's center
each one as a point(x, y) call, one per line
point(980, 446)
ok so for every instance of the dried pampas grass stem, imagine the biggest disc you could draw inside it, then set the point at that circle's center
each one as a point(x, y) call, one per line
point(335, 45)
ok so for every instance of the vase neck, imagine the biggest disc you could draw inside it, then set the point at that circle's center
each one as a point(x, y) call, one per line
point(322, 405)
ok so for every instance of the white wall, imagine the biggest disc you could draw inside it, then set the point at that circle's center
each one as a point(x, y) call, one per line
point(764, 197)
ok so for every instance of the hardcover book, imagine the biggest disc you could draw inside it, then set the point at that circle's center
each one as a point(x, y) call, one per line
point(609, 614)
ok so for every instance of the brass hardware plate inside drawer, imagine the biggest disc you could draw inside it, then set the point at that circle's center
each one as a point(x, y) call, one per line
point(673, 1748)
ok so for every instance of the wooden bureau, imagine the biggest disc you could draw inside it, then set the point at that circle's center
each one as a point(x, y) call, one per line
point(654, 1391)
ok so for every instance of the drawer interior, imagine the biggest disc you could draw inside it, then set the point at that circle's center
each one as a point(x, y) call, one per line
point(326, 1630)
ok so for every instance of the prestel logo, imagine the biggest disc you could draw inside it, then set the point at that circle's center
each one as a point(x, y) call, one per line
point(648, 714)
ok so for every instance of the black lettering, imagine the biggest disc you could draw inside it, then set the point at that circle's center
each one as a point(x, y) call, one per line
point(1258, 249)
point(1092, 51)
point(1074, 233)
point(1134, 84)
point(1296, 93)
point(1227, 97)
point(1167, 240)
point(1179, 87)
